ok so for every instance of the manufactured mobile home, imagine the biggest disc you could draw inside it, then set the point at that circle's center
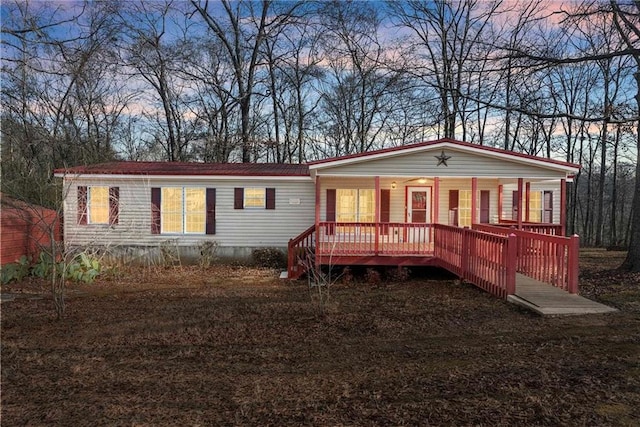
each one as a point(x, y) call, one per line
point(442, 202)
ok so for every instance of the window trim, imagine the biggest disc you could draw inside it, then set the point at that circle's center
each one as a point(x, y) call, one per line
point(90, 219)
point(183, 211)
point(244, 198)
point(358, 212)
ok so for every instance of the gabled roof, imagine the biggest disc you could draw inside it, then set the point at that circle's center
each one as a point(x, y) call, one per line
point(303, 170)
point(437, 144)
point(187, 168)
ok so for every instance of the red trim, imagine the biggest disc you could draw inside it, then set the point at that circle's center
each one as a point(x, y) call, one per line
point(440, 141)
point(406, 201)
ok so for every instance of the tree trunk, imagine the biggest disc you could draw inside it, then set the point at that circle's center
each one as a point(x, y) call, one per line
point(632, 262)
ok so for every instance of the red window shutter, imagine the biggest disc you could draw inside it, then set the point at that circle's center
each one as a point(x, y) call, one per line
point(114, 205)
point(211, 211)
point(82, 205)
point(548, 207)
point(330, 215)
point(331, 205)
point(453, 206)
point(385, 205)
point(485, 211)
point(271, 198)
point(155, 211)
point(514, 205)
point(385, 209)
point(238, 198)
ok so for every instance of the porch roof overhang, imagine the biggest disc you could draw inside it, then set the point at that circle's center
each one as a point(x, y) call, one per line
point(554, 167)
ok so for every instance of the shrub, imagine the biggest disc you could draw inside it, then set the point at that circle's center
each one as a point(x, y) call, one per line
point(15, 271)
point(269, 258)
point(208, 253)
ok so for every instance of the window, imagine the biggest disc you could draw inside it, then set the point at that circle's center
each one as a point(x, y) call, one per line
point(464, 208)
point(183, 210)
point(355, 205)
point(98, 205)
point(254, 197)
point(535, 206)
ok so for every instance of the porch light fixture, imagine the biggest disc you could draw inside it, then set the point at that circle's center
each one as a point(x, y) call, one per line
point(422, 181)
point(393, 185)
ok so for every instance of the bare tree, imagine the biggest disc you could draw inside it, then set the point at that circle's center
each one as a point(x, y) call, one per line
point(242, 29)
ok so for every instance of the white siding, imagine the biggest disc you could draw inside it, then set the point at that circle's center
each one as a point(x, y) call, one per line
point(461, 164)
point(234, 228)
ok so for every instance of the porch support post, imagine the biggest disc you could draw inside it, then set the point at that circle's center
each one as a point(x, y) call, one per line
point(563, 206)
point(527, 201)
point(474, 201)
point(377, 218)
point(436, 200)
point(317, 219)
point(519, 203)
point(500, 190)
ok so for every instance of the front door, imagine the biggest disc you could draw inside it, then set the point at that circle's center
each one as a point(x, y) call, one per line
point(418, 212)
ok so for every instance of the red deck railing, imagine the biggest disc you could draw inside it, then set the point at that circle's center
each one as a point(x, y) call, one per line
point(363, 239)
point(297, 251)
point(487, 255)
point(547, 258)
point(486, 260)
point(535, 227)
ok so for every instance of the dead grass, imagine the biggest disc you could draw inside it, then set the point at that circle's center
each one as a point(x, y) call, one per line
point(236, 346)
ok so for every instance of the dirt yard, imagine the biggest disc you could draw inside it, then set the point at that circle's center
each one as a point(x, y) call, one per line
point(237, 346)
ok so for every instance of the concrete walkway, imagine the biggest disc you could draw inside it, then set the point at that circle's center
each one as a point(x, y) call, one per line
point(545, 299)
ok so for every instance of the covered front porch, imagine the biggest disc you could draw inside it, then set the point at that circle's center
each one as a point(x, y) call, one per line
point(484, 214)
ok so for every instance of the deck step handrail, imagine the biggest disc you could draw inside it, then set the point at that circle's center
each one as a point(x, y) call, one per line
point(296, 251)
point(547, 258)
point(536, 227)
point(485, 259)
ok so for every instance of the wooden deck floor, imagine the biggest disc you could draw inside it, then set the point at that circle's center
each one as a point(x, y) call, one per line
point(545, 299)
